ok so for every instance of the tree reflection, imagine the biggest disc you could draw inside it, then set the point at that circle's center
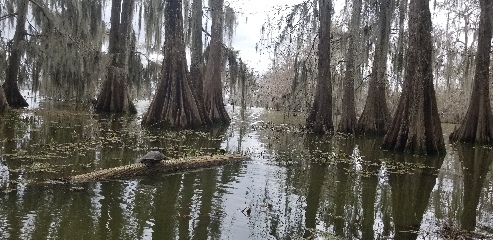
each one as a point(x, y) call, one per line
point(208, 187)
point(317, 146)
point(411, 185)
point(475, 165)
point(317, 177)
point(340, 199)
point(371, 155)
point(185, 206)
point(165, 213)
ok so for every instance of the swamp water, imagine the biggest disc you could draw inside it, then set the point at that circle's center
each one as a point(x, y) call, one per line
point(295, 184)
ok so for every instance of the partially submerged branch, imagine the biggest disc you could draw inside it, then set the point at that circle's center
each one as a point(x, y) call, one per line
point(162, 167)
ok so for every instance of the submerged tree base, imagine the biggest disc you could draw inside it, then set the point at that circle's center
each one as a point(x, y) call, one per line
point(480, 132)
point(14, 96)
point(375, 116)
point(448, 231)
point(114, 96)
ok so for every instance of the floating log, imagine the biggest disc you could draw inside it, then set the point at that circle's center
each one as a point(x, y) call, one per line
point(162, 167)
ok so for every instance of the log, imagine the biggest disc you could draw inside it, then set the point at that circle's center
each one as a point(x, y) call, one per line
point(163, 167)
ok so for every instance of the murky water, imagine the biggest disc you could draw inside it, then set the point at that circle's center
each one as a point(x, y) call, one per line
point(294, 185)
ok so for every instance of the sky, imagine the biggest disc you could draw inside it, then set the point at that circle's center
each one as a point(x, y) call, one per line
point(253, 13)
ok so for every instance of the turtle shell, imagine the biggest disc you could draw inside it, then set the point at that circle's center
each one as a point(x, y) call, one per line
point(152, 158)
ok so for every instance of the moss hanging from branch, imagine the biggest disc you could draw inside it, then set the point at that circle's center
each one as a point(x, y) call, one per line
point(151, 11)
point(230, 23)
point(68, 49)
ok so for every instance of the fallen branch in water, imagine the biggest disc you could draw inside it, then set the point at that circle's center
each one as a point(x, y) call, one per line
point(162, 167)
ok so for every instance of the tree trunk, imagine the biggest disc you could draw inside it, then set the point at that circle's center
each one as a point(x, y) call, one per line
point(477, 125)
point(213, 91)
point(4, 105)
point(375, 115)
point(174, 104)
point(320, 117)
point(114, 95)
point(10, 87)
point(197, 58)
point(416, 127)
point(348, 111)
point(166, 166)
point(399, 61)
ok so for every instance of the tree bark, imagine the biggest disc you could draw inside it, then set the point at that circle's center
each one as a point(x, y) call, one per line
point(320, 117)
point(374, 119)
point(114, 96)
point(347, 123)
point(477, 126)
point(10, 87)
point(4, 105)
point(197, 58)
point(416, 127)
point(213, 91)
point(174, 104)
point(165, 166)
point(399, 60)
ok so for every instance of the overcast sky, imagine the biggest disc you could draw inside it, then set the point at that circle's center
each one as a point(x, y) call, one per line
point(253, 13)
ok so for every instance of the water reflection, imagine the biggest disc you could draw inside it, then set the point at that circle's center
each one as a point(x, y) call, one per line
point(411, 191)
point(475, 165)
point(295, 185)
point(317, 175)
point(370, 166)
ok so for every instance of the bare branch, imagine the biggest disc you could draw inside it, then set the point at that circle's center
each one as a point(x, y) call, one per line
point(7, 16)
point(206, 33)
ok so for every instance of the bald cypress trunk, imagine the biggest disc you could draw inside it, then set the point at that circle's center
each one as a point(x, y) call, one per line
point(174, 103)
point(416, 127)
point(477, 125)
point(4, 105)
point(320, 116)
point(213, 91)
point(348, 115)
point(114, 95)
point(375, 116)
point(197, 58)
point(10, 87)
point(399, 59)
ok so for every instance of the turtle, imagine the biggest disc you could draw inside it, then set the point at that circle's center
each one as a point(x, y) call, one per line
point(151, 158)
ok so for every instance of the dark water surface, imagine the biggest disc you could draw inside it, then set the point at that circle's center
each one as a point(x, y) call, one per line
point(295, 184)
